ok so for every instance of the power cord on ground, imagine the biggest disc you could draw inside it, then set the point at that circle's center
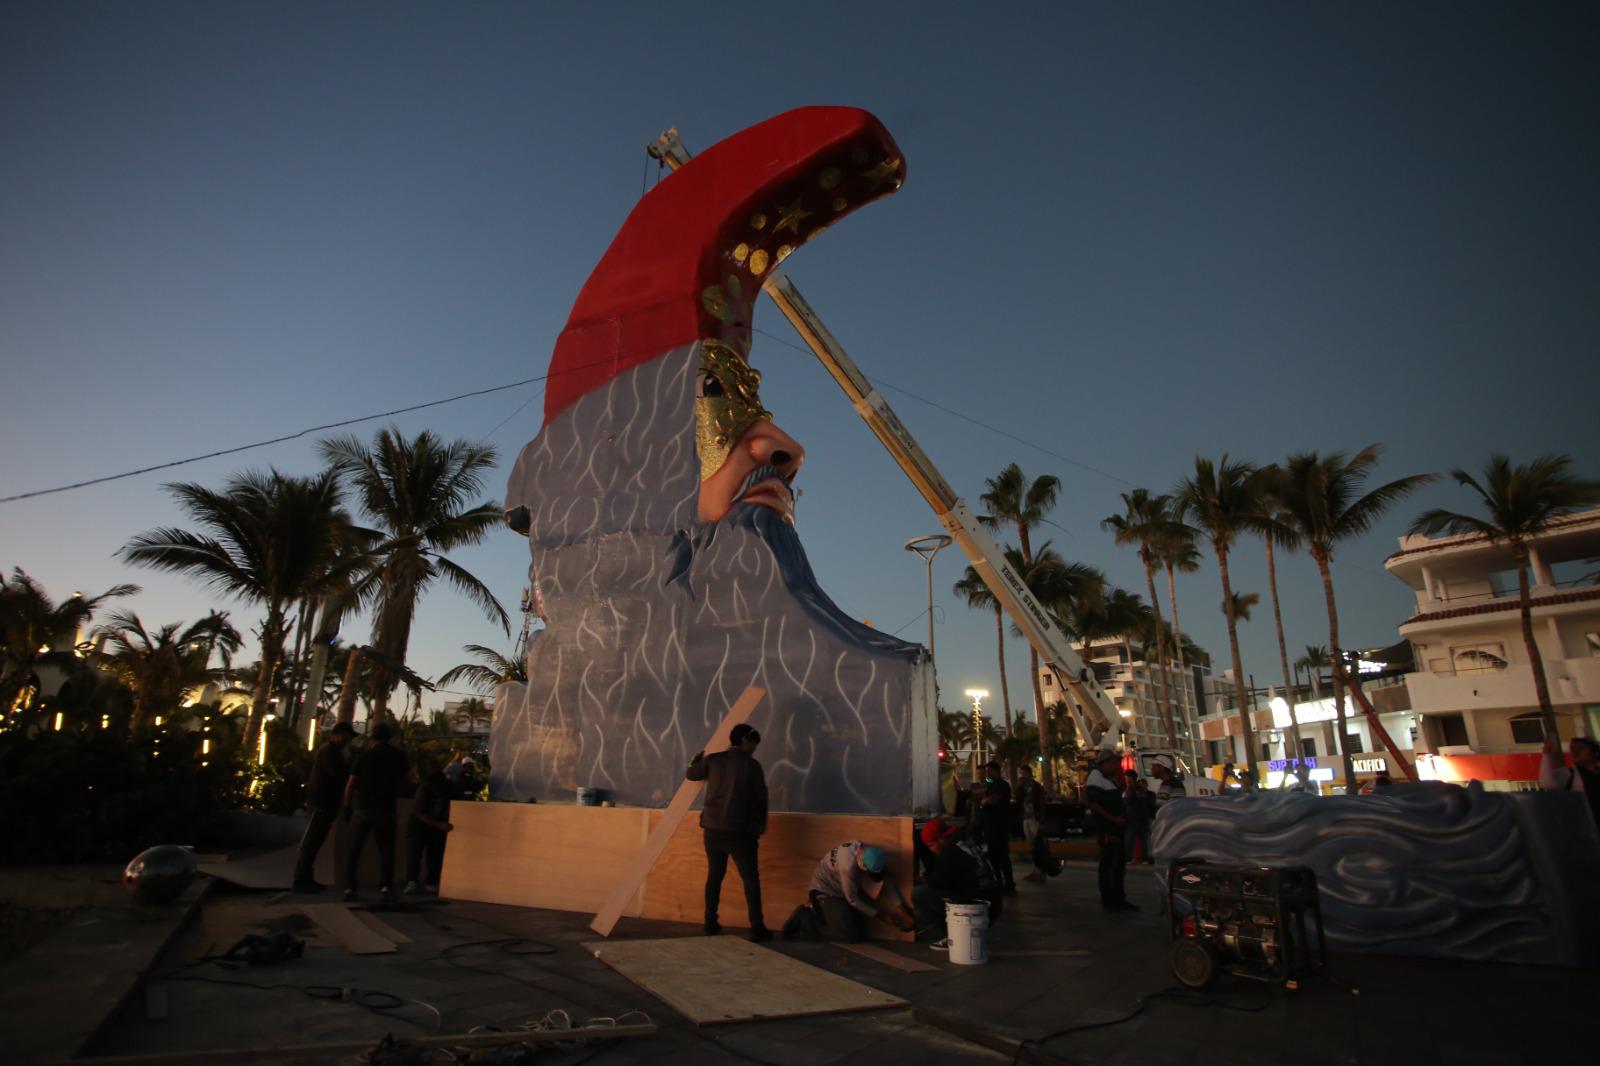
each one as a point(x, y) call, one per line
point(1188, 997)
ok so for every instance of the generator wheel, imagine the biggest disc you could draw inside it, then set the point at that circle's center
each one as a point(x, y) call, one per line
point(1194, 963)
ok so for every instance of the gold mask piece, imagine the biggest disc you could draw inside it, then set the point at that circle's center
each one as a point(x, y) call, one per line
point(727, 403)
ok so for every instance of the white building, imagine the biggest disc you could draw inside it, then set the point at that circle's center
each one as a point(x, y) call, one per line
point(1473, 683)
point(1134, 686)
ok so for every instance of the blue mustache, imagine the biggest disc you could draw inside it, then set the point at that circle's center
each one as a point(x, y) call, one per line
point(757, 476)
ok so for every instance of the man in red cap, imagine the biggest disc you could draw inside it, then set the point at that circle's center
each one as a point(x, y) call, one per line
point(960, 873)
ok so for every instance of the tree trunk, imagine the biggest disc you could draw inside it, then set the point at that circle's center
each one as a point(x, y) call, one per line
point(1541, 684)
point(1301, 771)
point(1005, 687)
point(1335, 657)
point(271, 650)
point(1046, 727)
point(291, 701)
point(1241, 689)
point(1191, 722)
point(1161, 650)
point(347, 692)
point(141, 703)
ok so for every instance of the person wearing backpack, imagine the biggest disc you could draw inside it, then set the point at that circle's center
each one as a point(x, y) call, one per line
point(1582, 776)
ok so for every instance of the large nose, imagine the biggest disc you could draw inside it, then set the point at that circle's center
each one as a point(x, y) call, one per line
point(771, 446)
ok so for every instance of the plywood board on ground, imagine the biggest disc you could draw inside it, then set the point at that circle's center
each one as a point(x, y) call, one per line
point(550, 855)
point(710, 980)
point(890, 957)
point(790, 851)
point(275, 869)
point(566, 857)
point(356, 936)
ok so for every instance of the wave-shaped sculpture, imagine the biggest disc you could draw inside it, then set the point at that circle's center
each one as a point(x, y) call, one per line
point(1428, 869)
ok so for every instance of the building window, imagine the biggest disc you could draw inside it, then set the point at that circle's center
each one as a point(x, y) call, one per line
point(1452, 730)
point(1593, 641)
point(1308, 747)
point(1478, 658)
point(1266, 752)
point(1527, 729)
point(1219, 751)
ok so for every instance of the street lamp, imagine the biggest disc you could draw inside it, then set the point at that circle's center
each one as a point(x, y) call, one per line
point(977, 696)
point(928, 547)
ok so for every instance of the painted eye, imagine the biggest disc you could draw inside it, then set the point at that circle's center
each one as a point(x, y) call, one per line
point(711, 385)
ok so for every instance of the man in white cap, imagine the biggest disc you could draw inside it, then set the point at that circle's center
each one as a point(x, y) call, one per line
point(1171, 782)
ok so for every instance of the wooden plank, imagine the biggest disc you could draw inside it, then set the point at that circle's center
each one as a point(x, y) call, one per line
point(294, 1051)
point(559, 856)
point(381, 927)
point(890, 958)
point(790, 851)
point(711, 980)
point(633, 878)
point(336, 920)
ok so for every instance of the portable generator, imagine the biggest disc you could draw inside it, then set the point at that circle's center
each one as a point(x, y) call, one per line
point(1252, 921)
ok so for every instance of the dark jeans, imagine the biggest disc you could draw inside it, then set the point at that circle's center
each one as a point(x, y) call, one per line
point(1138, 842)
point(424, 838)
point(841, 923)
point(743, 849)
point(381, 824)
point(316, 834)
point(998, 844)
point(1112, 866)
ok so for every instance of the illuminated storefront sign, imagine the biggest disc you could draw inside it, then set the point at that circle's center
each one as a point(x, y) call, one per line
point(1372, 766)
point(1281, 765)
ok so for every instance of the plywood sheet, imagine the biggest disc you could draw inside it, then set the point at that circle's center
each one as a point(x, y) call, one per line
point(628, 885)
point(357, 937)
point(275, 869)
point(565, 857)
point(717, 979)
point(790, 851)
point(890, 958)
point(381, 927)
point(550, 855)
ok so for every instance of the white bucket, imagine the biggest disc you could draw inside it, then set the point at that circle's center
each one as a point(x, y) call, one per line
point(588, 797)
point(967, 925)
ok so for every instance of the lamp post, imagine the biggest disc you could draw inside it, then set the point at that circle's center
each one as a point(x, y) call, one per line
point(977, 696)
point(928, 547)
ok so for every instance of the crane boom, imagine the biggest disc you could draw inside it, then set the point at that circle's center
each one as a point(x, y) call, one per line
point(1092, 710)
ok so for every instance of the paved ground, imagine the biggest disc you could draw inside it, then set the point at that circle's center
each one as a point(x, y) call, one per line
point(1372, 1010)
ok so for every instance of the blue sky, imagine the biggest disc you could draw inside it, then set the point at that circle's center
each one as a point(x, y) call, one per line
point(1128, 235)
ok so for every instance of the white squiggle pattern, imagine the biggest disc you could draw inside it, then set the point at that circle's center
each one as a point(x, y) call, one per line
point(657, 622)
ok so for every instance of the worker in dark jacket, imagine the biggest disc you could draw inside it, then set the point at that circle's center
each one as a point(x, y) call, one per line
point(733, 819)
point(324, 797)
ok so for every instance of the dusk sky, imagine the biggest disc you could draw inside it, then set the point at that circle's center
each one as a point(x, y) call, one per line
point(1128, 234)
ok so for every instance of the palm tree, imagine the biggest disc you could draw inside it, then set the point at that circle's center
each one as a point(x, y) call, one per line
point(979, 597)
point(418, 492)
point(469, 712)
point(1322, 502)
point(33, 627)
point(1176, 549)
point(1143, 522)
point(160, 667)
point(269, 539)
point(1313, 662)
point(1058, 586)
point(1224, 499)
point(1278, 532)
point(955, 730)
point(491, 671)
point(1521, 502)
point(1011, 500)
point(1242, 604)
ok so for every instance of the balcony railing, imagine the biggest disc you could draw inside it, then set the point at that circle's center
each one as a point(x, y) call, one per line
point(1444, 668)
point(1469, 599)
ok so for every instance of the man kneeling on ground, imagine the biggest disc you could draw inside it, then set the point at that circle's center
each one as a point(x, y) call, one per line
point(847, 892)
point(960, 874)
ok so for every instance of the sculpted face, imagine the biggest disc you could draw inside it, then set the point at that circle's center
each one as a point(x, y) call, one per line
point(744, 457)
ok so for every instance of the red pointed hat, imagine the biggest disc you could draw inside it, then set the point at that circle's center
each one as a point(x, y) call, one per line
point(691, 258)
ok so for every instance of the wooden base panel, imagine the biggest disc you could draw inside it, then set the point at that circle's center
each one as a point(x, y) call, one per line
point(568, 858)
point(711, 980)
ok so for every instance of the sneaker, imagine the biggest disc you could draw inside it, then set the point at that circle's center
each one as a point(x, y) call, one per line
point(349, 895)
point(713, 927)
point(386, 894)
point(411, 889)
point(760, 934)
point(940, 945)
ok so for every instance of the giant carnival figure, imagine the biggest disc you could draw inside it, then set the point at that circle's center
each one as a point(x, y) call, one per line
point(658, 504)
